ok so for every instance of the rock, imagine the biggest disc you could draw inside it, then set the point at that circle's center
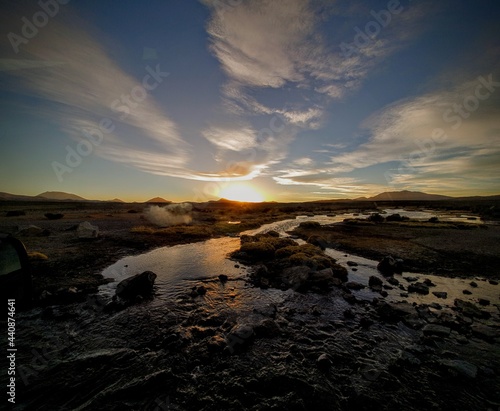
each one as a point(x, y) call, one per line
point(30, 231)
point(436, 306)
point(419, 288)
point(201, 290)
point(239, 336)
point(429, 283)
point(352, 285)
point(87, 230)
point(318, 241)
point(323, 362)
point(411, 279)
point(469, 309)
point(435, 329)
point(296, 278)
point(460, 368)
point(391, 312)
point(371, 374)
point(139, 284)
point(484, 332)
point(493, 282)
point(384, 293)
point(473, 284)
point(466, 292)
point(394, 217)
point(223, 278)
point(365, 322)
point(389, 266)
point(483, 301)
point(352, 264)
point(404, 295)
point(236, 266)
point(322, 278)
point(440, 294)
point(374, 281)
point(268, 310)
point(393, 281)
point(267, 328)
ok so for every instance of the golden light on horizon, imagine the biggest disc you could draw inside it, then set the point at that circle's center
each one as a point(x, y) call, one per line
point(241, 192)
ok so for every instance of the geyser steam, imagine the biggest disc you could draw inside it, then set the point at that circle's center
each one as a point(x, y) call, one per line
point(172, 214)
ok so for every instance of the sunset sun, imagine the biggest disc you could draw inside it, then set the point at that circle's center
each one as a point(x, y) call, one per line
point(241, 192)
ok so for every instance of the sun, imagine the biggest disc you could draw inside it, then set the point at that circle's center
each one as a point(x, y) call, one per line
point(241, 192)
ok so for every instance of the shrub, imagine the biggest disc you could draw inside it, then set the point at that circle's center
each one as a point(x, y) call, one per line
point(376, 218)
point(15, 213)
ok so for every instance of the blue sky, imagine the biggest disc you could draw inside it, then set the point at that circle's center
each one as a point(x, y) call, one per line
point(297, 100)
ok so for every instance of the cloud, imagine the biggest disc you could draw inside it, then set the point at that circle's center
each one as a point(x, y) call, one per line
point(231, 138)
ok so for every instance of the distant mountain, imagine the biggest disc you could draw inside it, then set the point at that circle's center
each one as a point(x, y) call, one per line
point(405, 195)
point(158, 200)
point(59, 195)
point(115, 200)
point(18, 197)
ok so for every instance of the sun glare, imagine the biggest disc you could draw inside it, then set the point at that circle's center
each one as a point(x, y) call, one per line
point(241, 192)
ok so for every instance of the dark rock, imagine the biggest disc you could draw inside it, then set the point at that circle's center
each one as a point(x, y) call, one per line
point(349, 313)
point(470, 310)
point(350, 298)
point(366, 322)
point(411, 279)
point(139, 284)
point(436, 306)
point(384, 293)
point(440, 294)
point(318, 241)
point(434, 329)
point(201, 290)
point(391, 312)
point(354, 269)
point(419, 288)
point(296, 278)
point(467, 292)
point(352, 285)
point(404, 295)
point(393, 281)
point(483, 301)
point(54, 216)
point(268, 310)
point(236, 266)
point(473, 284)
point(373, 281)
point(223, 278)
point(460, 368)
point(389, 266)
point(429, 283)
point(267, 328)
point(493, 282)
point(352, 264)
point(394, 217)
point(484, 332)
point(239, 336)
point(323, 362)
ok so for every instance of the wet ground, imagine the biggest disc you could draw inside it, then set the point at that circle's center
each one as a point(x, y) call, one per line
point(241, 347)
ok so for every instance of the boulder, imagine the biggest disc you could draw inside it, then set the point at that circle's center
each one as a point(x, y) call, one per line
point(30, 231)
point(87, 230)
point(137, 285)
point(390, 265)
point(419, 288)
point(440, 294)
point(375, 282)
point(239, 335)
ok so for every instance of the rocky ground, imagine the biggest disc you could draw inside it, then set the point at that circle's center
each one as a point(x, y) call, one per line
point(308, 341)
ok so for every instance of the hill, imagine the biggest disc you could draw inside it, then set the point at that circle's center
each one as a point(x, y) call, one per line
point(59, 195)
point(158, 200)
point(405, 195)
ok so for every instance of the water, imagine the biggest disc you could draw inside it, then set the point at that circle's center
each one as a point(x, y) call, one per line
point(180, 267)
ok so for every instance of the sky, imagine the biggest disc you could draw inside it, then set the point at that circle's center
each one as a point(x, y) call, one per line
point(292, 100)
